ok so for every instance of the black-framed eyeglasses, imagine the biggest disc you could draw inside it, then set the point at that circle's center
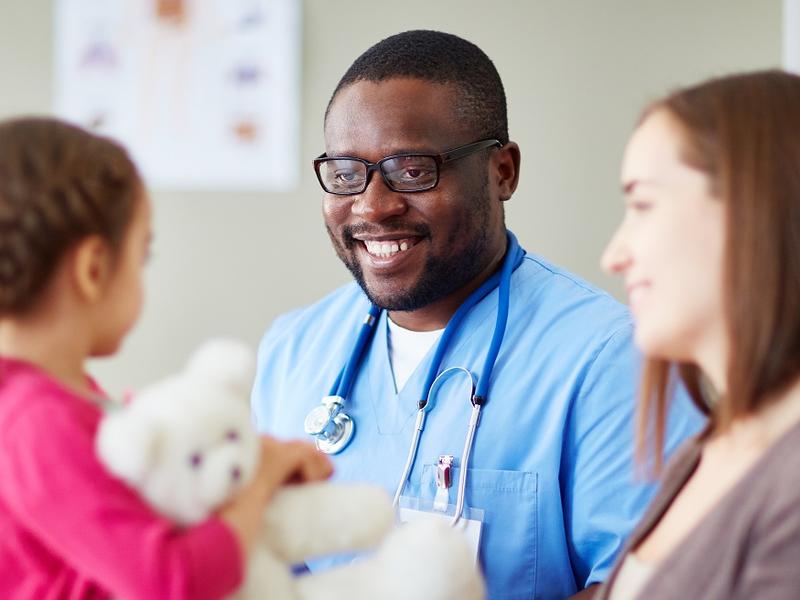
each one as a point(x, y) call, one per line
point(411, 172)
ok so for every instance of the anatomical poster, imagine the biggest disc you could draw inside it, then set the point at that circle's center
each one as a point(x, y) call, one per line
point(204, 93)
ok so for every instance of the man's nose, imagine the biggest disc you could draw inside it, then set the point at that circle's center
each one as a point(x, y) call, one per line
point(377, 202)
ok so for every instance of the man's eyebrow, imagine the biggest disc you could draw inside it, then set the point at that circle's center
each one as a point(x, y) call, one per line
point(394, 152)
point(414, 151)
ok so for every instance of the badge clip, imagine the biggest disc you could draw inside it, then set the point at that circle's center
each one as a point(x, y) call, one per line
point(444, 479)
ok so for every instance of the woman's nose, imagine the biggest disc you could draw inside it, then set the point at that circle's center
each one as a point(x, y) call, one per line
point(616, 257)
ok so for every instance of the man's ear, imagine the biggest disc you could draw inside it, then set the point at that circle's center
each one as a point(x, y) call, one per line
point(505, 169)
point(91, 267)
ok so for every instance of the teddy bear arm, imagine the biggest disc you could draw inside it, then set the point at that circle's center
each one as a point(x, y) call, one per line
point(420, 560)
point(267, 578)
point(349, 582)
point(320, 519)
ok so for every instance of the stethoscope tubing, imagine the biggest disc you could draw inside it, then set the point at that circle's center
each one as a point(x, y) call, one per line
point(465, 454)
point(501, 281)
point(344, 382)
point(509, 264)
point(478, 395)
point(420, 423)
point(503, 303)
point(412, 454)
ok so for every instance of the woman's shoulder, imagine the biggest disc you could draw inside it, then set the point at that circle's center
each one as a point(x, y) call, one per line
point(779, 475)
point(683, 462)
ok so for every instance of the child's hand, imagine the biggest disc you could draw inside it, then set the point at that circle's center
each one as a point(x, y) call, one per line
point(289, 462)
point(281, 463)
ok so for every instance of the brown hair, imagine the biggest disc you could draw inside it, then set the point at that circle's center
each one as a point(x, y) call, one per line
point(743, 131)
point(58, 184)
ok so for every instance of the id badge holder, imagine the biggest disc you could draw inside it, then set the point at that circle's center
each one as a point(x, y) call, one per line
point(470, 524)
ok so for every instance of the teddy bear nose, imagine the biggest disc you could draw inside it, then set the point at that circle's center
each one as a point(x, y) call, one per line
point(236, 473)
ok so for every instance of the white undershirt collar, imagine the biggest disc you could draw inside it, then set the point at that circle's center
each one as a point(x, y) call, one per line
point(407, 348)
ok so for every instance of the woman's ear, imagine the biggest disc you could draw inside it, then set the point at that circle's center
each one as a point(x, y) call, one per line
point(91, 267)
point(506, 170)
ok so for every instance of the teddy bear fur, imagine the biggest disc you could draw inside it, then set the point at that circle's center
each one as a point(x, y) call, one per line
point(187, 444)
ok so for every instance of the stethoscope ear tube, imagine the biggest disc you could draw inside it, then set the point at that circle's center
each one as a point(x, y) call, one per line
point(424, 409)
point(333, 429)
point(474, 417)
point(479, 397)
point(412, 454)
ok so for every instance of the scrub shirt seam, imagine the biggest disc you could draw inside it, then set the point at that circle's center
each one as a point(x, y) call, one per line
point(585, 287)
point(591, 363)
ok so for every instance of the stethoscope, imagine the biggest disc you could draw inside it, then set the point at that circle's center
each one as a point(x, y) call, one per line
point(332, 428)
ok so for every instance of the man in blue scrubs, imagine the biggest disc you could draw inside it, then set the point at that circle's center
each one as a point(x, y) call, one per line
point(551, 465)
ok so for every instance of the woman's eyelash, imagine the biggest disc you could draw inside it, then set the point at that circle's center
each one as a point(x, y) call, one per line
point(638, 205)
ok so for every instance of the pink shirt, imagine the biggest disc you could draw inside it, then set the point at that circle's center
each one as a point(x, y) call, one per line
point(70, 530)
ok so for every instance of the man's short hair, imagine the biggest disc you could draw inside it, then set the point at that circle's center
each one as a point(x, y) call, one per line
point(439, 58)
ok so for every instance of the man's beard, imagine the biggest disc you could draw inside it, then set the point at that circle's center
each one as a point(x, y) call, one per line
point(440, 276)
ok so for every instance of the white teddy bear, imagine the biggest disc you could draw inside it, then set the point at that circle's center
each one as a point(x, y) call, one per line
point(187, 444)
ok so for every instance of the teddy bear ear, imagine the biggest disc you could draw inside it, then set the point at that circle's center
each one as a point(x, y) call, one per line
point(227, 361)
point(126, 444)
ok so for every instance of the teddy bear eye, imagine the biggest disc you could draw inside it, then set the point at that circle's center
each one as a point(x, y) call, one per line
point(232, 435)
point(196, 459)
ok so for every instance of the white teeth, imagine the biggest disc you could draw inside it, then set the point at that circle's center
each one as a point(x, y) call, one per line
point(386, 249)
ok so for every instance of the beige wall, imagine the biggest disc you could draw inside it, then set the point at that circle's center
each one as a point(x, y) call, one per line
point(576, 73)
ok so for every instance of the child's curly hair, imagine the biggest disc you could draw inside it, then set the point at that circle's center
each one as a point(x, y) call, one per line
point(58, 185)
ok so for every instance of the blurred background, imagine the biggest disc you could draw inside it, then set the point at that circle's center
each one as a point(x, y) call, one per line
point(576, 73)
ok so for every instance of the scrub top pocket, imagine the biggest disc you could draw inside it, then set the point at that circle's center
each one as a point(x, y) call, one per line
point(510, 527)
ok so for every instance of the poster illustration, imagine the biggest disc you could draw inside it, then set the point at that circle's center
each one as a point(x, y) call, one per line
point(204, 93)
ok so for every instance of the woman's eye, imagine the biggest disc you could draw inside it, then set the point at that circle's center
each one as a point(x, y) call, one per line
point(638, 205)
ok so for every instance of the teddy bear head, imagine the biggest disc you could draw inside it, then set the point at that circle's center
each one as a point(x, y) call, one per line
point(187, 443)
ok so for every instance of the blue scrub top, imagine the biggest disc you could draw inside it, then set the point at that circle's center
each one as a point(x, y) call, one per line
point(552, 461)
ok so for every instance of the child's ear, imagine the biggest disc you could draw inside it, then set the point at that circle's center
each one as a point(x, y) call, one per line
point(91, 267)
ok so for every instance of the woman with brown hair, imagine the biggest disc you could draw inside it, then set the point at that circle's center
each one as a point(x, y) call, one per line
point(710, 251)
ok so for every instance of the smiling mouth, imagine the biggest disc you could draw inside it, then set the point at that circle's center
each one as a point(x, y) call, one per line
point(631, 288)
point(388, 248)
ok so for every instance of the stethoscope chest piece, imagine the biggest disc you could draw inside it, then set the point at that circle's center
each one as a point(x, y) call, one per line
point(331, 428)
